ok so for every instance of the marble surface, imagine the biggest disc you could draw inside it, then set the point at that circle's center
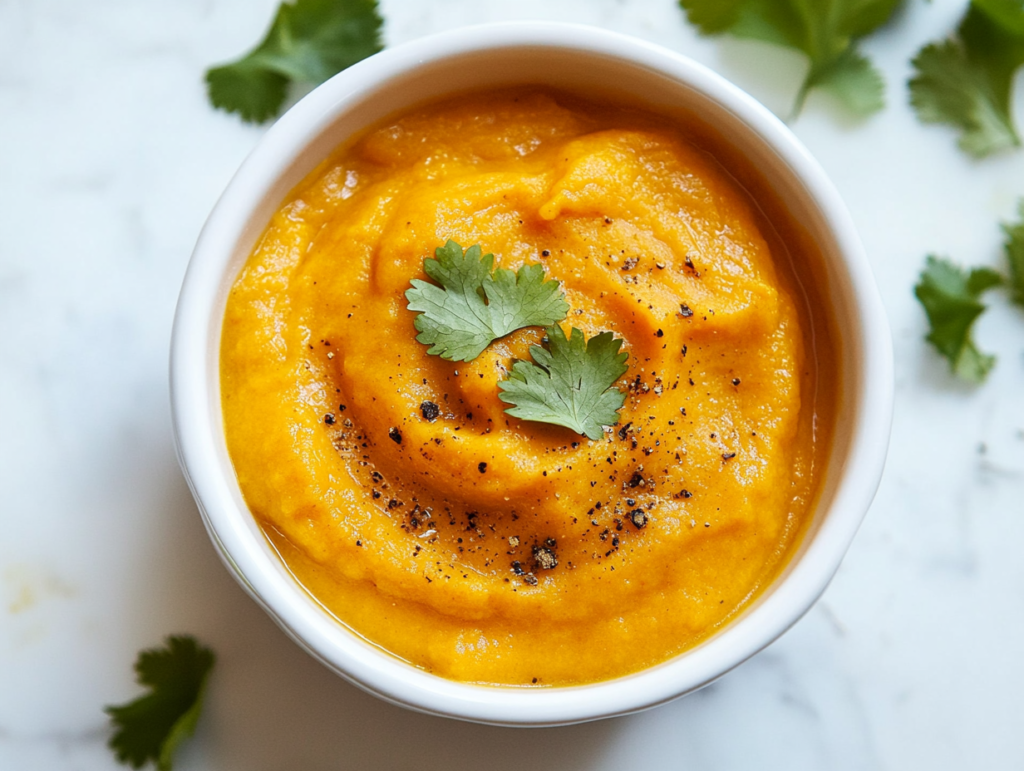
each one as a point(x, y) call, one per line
point(110, 159)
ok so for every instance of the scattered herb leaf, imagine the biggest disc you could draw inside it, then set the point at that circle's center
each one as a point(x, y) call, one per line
point(473, 306)
point(826, 31)
point(308, 42)
point(1014, 248)
point(951, 298)
point(966, 81)
point(569, 385)
point(154, 725)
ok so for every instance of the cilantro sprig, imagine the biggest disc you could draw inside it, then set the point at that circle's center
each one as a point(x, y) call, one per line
point(474, 306)
point(826, 31)
point(966, 81)
point(569, 384)
point(308, 42)
point(951, 297)
point(1014, 250)
point(152, 727)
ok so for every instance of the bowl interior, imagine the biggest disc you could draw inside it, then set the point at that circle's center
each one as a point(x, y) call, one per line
point(602, 66)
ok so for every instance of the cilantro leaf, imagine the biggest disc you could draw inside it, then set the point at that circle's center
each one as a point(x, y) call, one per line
point(951, 299)
point(474, 307)
point(1014, 248)
point(851, 79)
point(154, 725)
point(309, 41)
point(966, 81)
point(569, 385)
point(826, 31)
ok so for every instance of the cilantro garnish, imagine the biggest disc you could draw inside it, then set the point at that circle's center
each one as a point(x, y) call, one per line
point(1014, 248)
point(967, 81)
point(569, 384)
point(826, 31)
point(951, 298)
point(154, 725)
point(474, 307)
point(309, 41)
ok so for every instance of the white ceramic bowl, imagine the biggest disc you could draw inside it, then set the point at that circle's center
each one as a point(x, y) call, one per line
point(588, 61)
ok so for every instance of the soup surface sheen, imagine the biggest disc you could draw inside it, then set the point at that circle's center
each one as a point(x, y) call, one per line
point(435, 539)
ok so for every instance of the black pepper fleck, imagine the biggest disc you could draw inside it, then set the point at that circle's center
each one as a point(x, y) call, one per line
point(430, 411)
point(546, 559)
point(396, 435)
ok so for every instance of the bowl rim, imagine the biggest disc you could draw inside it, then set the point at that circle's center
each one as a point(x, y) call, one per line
point(360, 662)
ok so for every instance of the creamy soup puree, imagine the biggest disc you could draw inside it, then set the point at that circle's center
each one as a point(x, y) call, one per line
point(489, 549)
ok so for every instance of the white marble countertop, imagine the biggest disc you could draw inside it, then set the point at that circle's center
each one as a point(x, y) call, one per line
point(110, 160)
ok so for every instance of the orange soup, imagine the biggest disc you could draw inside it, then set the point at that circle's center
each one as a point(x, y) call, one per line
point(489, 549)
